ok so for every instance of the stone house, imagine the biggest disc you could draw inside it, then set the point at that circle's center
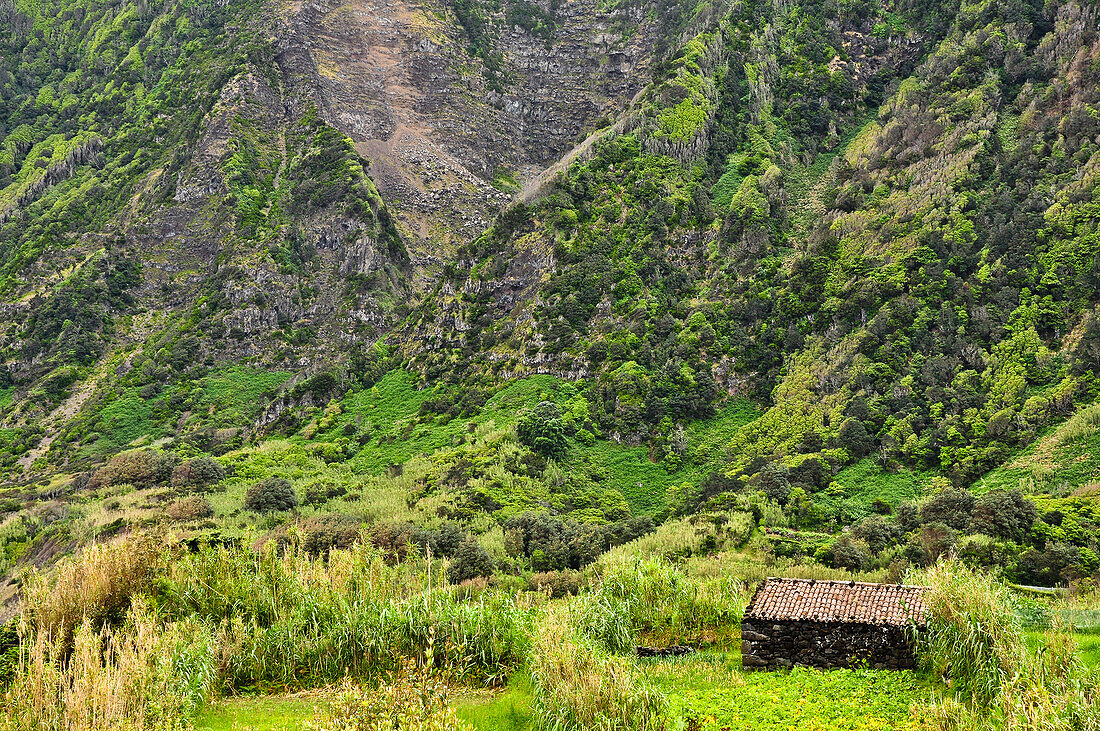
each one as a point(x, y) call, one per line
point(831, 624)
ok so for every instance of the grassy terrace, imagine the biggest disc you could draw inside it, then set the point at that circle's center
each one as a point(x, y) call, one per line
point(708, 688)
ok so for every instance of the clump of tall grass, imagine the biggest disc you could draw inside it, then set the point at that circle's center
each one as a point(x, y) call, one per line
point(291, 620)
point(582, 664)
point(667, 605)
point(973, 639)
point(140, 676)
point(579, 685)
point(96, 587)
point(154, 636)
point(1080, 426)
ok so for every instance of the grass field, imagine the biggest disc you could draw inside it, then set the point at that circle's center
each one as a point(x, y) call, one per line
point(260, 713)
point(710, 688)
point(1066, 458)
point(856, 487)
point(714, 691)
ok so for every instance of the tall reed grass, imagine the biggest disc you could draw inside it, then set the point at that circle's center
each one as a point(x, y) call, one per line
point(144, 653)
point(143, 676)
point(973, 639)
point(580, 686)
point(666, 605)
point(1080, 426)
point(97, 588)
point(290, 620)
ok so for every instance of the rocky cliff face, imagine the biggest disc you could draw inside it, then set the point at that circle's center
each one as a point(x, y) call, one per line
point(306, 170)
point(439, 125)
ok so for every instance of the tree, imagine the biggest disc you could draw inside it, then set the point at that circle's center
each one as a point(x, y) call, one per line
point(1004, 514)
point(270, 495)
point(846, 553)
point(877, 532)
point(542, 429)
point(774, 481)
point(470, 562)
point(907, 516)
point(952, 507)
point(198, 473)
point(853, 437)
point(929, 543)
point(1057, 564)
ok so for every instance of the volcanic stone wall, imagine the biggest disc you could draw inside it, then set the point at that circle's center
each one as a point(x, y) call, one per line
point(772, 644)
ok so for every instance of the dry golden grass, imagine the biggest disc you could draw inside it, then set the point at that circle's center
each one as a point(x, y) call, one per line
point(141, 677)
point(95, 588)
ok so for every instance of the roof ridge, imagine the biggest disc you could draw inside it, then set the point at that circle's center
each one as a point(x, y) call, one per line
point(845, 582)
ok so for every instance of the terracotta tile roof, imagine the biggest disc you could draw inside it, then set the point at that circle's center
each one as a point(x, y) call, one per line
point(837, 601)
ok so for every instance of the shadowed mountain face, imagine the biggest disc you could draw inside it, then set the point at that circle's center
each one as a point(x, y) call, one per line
point(444, 101)
point(279, 184)
point(875, 220)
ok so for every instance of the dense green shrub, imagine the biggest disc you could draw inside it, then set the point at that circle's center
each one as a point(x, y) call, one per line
point(1004, 514)
point(929, 543)
point(1057, 564)
point(143, 469)
point(877, 533)
point(542, 429)
point(470, 562)
point(319, 493)
point(847, 553)
point(271, 494)
point(198, 473)
point(553, 544)
point(952, 507)
point(556, 583)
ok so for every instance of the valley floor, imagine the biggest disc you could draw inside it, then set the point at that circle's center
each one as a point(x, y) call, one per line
point(706, 691)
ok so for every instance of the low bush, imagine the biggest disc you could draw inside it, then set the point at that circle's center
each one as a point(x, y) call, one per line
point(195, 507)
point(319, 493)
point(557, 583)
point(324, 533)
point(549, 543)
point(197, 474)
point(1004, 514)
point(143, 469)
point(271, 495)
point(413, 701)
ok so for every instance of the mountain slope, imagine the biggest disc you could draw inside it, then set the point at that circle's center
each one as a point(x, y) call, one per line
point(925, 292)
point(808, 261)
point(211, 195)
